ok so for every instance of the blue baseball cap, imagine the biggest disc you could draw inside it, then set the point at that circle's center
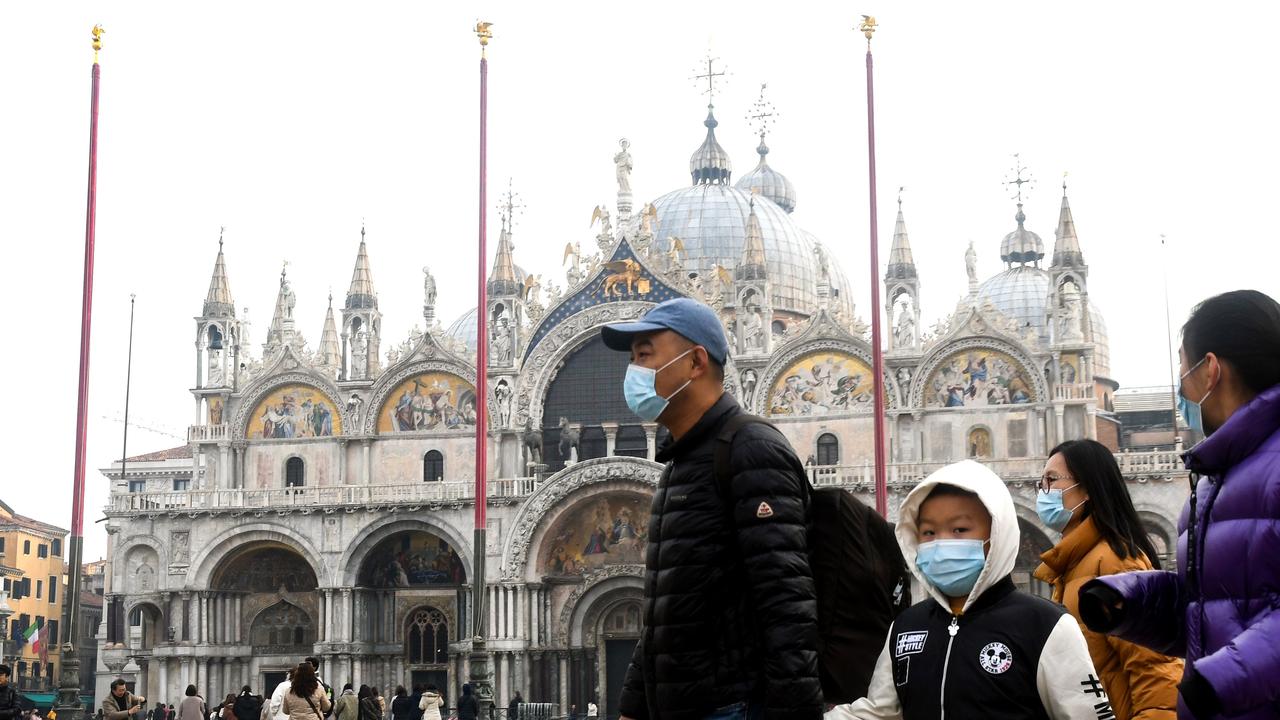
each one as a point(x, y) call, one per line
point(691, 319)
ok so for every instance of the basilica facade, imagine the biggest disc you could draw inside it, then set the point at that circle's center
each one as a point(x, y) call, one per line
point(323, 504)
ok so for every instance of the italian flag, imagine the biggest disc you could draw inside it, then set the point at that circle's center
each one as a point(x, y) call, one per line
point(30, 632)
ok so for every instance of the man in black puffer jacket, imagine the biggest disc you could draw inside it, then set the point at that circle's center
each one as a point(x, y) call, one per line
point(730, 614)
point(10, 705)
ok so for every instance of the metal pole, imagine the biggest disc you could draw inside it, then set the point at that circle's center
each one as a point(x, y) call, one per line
point(68, 702)
point(1168, 332)
point(882, 489)
point(128, 382)
point(480, 680)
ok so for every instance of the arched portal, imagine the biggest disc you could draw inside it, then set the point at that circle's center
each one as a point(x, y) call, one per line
point(264, 595)
point(145, 626)
point(1033, 543)
point(587, 392)
point(283, 629)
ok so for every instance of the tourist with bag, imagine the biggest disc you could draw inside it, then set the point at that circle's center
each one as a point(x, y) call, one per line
point(730, 613)
point(306, 698)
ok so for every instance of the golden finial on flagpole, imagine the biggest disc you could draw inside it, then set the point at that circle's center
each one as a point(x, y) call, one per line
point(482, 32)
point(868, 27)
point(97, 41)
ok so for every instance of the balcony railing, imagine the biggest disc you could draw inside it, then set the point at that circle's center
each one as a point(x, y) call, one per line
point(207, 433)
point(1075, 391)
point(862, 475)
point(312, 496)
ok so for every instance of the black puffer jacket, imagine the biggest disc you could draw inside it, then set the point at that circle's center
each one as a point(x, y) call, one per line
point(730, 612)
point(10, 706)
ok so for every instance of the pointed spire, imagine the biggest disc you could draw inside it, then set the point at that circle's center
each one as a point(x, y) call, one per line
point(330, 352)
point(902, 265)
point(218, 302)
point(752, 264)
point(1066, 247)
point(361, 294)
point(710, 164)
point(503, 280)
point(281, 332)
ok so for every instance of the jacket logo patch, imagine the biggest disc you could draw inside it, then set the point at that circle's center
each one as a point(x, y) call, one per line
point(910, 643)
point(764, 511)
point(995, 658)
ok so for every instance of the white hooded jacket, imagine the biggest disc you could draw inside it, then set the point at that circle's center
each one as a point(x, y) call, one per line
point(1063, 668)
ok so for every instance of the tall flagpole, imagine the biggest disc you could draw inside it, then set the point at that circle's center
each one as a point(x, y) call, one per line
point(481, 686)
point(868, 27)
point(68, 702)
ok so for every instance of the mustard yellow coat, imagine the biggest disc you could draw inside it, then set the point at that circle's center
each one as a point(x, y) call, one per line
point(1142, 684)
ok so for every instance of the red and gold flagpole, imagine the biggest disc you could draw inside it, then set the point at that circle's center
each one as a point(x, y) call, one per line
point(482, 688)
point(68, 702)
point(868, 27)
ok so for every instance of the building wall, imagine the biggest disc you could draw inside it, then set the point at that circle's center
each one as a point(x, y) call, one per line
point(24, 540)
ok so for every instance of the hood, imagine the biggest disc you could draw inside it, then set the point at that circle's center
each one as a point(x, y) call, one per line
point(1005, 536)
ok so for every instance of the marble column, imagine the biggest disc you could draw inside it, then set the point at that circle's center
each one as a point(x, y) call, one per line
point(347, 614)
point(610, 437)
point(367, 461)
point(564, 681)
point(162, 687)
point(342, 462)
point(651, 437)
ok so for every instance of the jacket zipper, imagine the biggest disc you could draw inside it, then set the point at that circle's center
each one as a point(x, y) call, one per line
point(952, 629)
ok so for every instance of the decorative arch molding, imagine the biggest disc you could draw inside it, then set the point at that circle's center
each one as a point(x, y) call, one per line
point(122, 551)
point(1156, 520)
point(623, 473)
point(151, 600)
point(389, 381)
point(559, 343)
point(221, 547)
point(295, 373)
point(375, 532)
point(597, 587)
point(794, 351)
point(943, 352)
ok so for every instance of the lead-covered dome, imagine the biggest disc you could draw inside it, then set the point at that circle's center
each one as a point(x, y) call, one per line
point(769, 183)
point(1021, 245)
point(711, 221)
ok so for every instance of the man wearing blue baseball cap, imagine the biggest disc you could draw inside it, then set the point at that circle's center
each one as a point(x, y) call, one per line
point(730, 613)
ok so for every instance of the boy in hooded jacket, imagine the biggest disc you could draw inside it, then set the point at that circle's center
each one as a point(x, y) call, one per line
point(976, 647)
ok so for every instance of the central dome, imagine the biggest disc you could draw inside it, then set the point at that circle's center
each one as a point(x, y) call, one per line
point(711, 221)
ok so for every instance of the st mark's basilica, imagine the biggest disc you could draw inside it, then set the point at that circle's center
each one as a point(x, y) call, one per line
point(323, 503)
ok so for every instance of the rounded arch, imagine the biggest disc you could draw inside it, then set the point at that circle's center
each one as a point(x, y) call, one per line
point(786, 360)
point(979, 442)
point(539, 512)
point(588, 603)
point(294, 471)
point(827, 448)
point(944, 353)
point(146, 616)
point(384, 390)
point(360, 548)
point(289, 370)
point(232, 541)
point(563, 339)
point(122, 551)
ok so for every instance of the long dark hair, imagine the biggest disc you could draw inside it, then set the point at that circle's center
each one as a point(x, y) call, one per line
point(304, 680)
point(1241, 327)
point(1094, 466)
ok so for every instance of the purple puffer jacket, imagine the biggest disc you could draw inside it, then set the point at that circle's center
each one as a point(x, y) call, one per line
point(1223, 613)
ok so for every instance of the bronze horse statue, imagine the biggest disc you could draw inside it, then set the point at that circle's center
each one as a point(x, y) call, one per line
point(570, 441)
point(532, 443)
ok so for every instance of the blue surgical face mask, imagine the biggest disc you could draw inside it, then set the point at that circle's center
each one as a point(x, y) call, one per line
point(1191, 410)
point(952, 566)
point(641, 391)
point(1051, 511)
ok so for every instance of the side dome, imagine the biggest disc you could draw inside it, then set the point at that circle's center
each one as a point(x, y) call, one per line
point(768, 183)
point(464, 329)
point(711, 221)
point(1021, 245)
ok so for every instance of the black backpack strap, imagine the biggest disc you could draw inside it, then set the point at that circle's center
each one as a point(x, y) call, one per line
point(723, 462)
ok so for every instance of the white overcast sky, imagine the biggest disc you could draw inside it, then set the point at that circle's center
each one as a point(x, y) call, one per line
point(288, 122)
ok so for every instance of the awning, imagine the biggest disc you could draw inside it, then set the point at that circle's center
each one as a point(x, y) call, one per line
point(46, 700)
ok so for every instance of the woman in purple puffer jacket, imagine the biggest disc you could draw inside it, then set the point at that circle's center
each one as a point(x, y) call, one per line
point(1221, 610)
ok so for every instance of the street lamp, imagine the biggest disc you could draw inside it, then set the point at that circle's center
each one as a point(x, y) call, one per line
point(5, 613)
